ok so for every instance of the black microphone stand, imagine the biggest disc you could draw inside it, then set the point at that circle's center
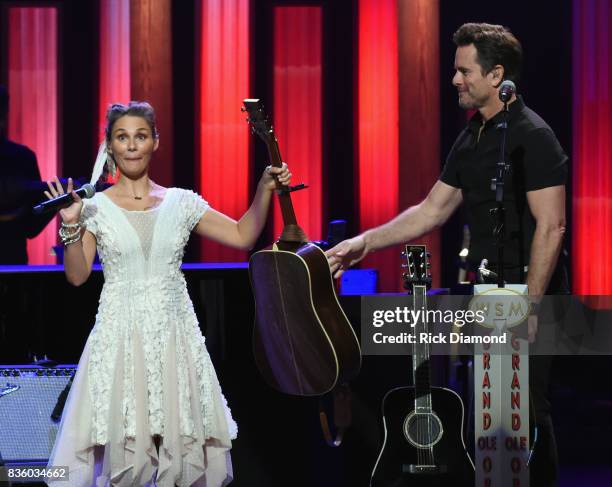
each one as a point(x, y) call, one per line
point(497, 185)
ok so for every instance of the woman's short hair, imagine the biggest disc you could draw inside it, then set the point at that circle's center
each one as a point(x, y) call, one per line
point(133, 109)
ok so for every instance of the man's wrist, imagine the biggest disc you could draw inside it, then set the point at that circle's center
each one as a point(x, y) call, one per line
point(366, 237)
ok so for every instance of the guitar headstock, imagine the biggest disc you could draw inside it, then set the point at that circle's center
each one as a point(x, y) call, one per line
point(258, 121)
point(416, 266)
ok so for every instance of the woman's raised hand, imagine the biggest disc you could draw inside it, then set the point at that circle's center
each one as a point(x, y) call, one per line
point(72, 213)
point(282, 174)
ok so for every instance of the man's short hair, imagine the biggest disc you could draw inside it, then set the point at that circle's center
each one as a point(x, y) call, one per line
point(494, 44)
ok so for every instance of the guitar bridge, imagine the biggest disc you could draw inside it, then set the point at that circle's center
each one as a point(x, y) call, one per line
point(424, 469)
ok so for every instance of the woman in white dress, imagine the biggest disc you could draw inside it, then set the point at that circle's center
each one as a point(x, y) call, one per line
point(145, 407)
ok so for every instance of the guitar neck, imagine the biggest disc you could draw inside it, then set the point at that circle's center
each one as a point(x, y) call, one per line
point(291, 231)
point(420, 354)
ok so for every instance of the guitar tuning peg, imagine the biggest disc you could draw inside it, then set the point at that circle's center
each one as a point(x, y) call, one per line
point(242, 109)
point(428, 254)
point(404, 266)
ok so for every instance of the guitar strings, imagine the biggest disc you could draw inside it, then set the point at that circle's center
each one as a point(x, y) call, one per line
point(420, 453)
point(425, 374)
point(416, 417)
point(428, 403)
point(415, 360)
point(429, 414)
point(421, 364)
point(429, 409)
point(422, 430)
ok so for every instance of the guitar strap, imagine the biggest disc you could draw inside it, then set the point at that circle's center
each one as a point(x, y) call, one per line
point(339, 402)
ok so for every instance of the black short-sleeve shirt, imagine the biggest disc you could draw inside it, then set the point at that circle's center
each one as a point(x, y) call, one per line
point(537, 161)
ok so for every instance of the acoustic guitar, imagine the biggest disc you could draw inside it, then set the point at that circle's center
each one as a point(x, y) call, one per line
point(302, 341)
point(423, 444)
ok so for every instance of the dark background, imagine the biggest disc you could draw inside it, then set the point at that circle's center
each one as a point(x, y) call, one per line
point(280, 441)
point(543, 27)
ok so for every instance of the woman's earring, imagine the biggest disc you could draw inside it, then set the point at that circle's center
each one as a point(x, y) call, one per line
point(110, 164)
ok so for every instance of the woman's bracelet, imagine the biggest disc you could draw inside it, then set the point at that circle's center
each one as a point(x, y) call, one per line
point(70, 233)
point(72, 240)
point(70, 225)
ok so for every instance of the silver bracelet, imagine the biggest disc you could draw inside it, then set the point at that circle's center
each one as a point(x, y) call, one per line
point(66, 236)
point(72, 240)
point(70, 225)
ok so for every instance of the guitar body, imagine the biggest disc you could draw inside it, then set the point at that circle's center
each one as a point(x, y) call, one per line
point(303, 343)
point(399, 460)
point(424, 444)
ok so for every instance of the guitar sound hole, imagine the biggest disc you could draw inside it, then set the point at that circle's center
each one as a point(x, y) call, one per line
point(423, 430)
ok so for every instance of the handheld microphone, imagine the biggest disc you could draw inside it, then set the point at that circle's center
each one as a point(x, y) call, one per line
point(506, 90)
point(64, 200)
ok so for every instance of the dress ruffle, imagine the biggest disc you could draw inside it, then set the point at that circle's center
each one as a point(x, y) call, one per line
point(201, 458)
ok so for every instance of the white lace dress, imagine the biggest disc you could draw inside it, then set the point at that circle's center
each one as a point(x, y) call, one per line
point(145, 369)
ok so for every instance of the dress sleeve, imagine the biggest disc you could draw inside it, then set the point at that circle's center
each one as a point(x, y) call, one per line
point(88, 217)
point(194, 206)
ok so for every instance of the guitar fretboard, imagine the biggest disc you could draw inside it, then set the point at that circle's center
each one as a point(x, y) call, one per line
point(420, 354)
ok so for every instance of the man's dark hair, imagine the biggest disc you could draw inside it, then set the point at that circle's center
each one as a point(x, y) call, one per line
point(4, 102)
point(494, 44)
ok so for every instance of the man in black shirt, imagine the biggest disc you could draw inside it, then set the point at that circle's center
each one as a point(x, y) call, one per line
point(534, 196)
point(537, 162)
point(20, 189)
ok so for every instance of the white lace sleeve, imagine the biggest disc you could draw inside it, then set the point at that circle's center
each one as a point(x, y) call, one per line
point(194, 207)
point(88, 217)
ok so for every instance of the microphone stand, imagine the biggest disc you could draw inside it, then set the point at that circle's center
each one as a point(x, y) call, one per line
point(497, 185)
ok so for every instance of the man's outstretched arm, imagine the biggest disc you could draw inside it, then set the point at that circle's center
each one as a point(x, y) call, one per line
point(412, 223)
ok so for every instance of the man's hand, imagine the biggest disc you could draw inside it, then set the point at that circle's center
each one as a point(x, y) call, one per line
point(346, 254)
point(532, 328)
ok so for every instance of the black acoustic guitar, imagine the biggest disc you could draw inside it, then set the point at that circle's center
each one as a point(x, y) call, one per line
point(303, 343)
point(423, 443)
